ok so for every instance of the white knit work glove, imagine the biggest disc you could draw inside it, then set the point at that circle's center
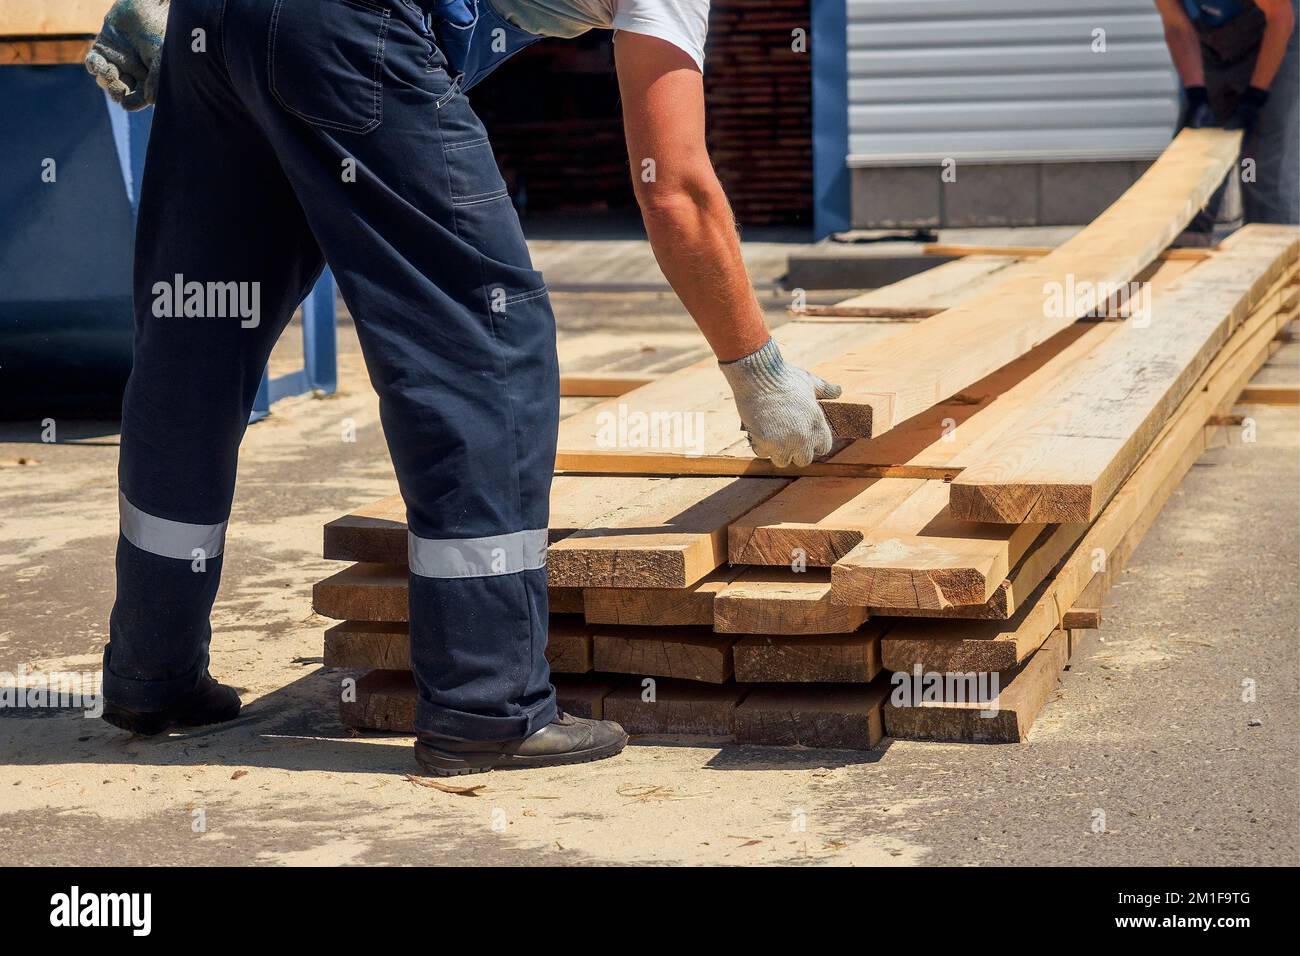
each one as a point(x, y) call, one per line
point(778, 406)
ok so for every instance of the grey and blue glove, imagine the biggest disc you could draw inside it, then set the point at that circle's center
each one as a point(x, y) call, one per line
point(778, 407)
point(125, 56)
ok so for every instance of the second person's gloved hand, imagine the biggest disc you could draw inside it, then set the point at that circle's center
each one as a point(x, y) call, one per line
point(125, 57)
point(778, 406)
point(1246, 112)
point(1196, 113)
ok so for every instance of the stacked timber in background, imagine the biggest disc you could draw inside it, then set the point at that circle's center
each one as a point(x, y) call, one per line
point(758, 99)
point(964, 545)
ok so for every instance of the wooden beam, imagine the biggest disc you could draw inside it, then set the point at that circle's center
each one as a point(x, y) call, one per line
point(836, 717)
point(821, 520)
point(687, 419)
point(386, 645)
point(18, 51)
point(376, 533)
point(606, 385)
point(840, 465)
point(945, 562)
point(1003, 646)
point(922, 295)
point(676, 707)
point(672, 537)
point(809, 658)
point(889, 381)
point(1005, 717)
point(378, 592)
point(781, 601)
point(1063, 458)
point(1035, 252)
point(1034, 566)
point(657, 607)
point(1269, 395)
point(52, 17)
point(688, 653)
point(940, 562)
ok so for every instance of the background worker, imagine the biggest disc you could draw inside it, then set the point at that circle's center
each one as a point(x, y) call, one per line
point(1239, 64)
point(291, 133)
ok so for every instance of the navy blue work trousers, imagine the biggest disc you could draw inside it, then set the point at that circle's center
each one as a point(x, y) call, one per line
point(288, 134)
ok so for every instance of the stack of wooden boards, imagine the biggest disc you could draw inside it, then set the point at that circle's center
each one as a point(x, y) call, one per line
point(930, 579)
point(758, 101)
point(48, 32)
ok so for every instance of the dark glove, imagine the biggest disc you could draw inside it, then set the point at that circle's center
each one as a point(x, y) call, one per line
point(1246, 112)
point(1196, 112)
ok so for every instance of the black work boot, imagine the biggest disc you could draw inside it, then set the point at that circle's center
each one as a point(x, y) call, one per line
point(209, 703)
point(565, 740)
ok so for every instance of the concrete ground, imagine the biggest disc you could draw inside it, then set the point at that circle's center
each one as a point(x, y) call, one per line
point(1148, 727)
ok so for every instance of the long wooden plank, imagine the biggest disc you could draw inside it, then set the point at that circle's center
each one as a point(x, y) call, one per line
point(809, 658)
point(675, 707)
point(782, 601)
point(1028, 252)
point(1270, 395)
point(831, 716)
point(671, 537)
point(922, 295)
point(376, 532)
point(890, 381)
point(38, 52)
point(1004, 718)
point(386, 645)
point(52, 17)
point(688, 653)
point(948, 285)
point(1062, 460)
point(598, 385)
point(944, 562)
point(689, 415)
point(378, 592)
point(1003, 646)
point(657, 607)
point(820, 520)
point(1030, 571)
point(924, 559)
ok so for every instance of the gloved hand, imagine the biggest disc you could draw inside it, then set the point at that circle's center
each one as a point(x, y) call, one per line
point(1246, 112)
point(1196, 112)
point(125, 56)
point(778, 406)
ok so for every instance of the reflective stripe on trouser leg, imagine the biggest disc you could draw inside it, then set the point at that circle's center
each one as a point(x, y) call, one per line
point(170, 539)
point(167, 577)
point(477, 557)
point(482, 601)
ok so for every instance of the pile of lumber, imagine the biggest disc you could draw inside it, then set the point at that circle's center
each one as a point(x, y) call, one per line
point(758, 101)
point(48, 32)
point(1002, 458)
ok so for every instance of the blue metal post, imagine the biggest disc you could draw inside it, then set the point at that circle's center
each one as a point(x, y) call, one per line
point(830, 106)
point(319, 340)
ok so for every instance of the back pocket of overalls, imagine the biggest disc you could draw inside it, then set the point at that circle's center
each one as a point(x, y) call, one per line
point(326, 59)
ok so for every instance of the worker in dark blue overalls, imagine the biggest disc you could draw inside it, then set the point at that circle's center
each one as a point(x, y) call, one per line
point(291, 133)
point(1240, 69)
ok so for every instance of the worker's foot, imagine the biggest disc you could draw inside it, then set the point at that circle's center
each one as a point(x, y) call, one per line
point(209, 703)
point(565, 740)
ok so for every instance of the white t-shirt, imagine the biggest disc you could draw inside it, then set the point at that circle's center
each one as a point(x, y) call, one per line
point(683, 23)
